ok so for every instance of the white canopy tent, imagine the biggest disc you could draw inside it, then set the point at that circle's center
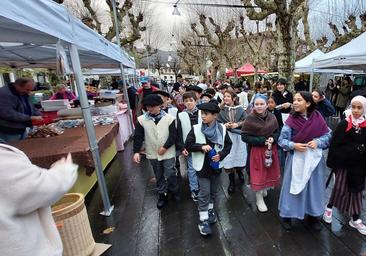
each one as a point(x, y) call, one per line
point(349, 56)
point(46, 22)
point(38, 25)
point(19, 55)
point(305, 65)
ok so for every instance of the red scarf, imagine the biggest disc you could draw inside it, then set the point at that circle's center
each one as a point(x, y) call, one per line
point(350, 124)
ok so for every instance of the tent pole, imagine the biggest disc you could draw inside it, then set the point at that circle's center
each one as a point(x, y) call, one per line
point(311, 77)
point(90, 129)
point(118, 42)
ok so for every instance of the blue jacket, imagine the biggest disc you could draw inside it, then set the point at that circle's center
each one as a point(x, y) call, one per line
point(13, 112)
point(325, 108)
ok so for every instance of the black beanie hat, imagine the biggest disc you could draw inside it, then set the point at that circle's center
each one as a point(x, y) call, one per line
point(152, 100)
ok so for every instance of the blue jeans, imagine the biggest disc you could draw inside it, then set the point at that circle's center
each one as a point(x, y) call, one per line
point(192, 175)
point(7, 137)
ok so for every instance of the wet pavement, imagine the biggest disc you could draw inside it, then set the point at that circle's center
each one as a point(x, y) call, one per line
point(141, 229)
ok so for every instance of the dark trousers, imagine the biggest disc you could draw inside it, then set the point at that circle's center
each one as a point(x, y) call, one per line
point(165, 175)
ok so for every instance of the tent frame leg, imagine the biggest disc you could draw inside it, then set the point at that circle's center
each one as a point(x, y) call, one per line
point(75, 60)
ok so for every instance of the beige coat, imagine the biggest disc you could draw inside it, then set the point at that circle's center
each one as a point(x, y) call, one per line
point(27, 191)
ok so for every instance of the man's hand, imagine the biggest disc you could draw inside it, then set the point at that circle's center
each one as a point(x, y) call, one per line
point(206, 148)
point(301, 147)
point(161, 151)
point(137, 158)
point(216, 158)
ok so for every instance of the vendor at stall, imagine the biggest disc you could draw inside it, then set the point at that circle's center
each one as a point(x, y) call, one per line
point(16, 109)
point(63, 94)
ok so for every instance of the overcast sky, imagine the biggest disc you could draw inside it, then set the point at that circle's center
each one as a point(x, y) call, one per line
point(321, 12)
point(165, 25)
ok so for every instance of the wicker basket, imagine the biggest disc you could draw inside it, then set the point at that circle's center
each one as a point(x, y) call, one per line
point(73, 224)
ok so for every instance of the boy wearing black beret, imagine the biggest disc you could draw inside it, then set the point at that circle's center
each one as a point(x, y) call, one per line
point(209, 144)
point(157, 129)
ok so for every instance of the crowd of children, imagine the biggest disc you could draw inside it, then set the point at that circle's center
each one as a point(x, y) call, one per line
point(220, 128)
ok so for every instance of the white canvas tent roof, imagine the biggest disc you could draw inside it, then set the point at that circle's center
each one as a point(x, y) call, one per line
point(43, 22)
point(305, 65)
point(349, 56)
point(18, 55)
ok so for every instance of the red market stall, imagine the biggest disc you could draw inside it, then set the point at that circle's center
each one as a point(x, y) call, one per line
point(247, 69)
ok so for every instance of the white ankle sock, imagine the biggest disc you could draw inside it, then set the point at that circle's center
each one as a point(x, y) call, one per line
point(203, 215)
point(210, 206)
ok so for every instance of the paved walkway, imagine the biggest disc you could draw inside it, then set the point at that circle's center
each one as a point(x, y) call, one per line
point(141, 229)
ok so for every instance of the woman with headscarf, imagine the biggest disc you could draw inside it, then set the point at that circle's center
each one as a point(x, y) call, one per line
point(305, 135)
point(260, 131)
point(232, 116)
point(347, 158)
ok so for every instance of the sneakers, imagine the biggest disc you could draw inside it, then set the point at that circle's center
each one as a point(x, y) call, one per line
point(163, 199)
point(327, 216)
point(357, 224)
point(211, 216)
point(194, 195)
point(204, 228)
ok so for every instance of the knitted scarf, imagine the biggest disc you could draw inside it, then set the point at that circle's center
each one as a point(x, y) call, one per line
point(307, 129)
point(213, 132)
point(264, 124)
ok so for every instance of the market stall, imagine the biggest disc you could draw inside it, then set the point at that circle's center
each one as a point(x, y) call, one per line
point(75, 141)
point(49, 30)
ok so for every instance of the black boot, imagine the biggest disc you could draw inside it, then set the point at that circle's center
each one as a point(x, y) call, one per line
point(314, 223)
point(286, 223)
point(163, 199)
point(240, 175)
point(231, 188)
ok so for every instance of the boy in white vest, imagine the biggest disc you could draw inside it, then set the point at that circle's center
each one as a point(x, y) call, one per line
point(168, 108)
point(157, 129)
point(210, 144)
point(186, 119)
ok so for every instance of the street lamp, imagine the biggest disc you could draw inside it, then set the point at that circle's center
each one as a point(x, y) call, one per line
point(176, 11)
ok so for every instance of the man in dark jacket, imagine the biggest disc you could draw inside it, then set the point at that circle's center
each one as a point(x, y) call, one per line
point(16, 109)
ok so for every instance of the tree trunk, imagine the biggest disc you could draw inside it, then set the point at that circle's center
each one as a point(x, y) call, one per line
point(255, 73)
point(286, 28)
